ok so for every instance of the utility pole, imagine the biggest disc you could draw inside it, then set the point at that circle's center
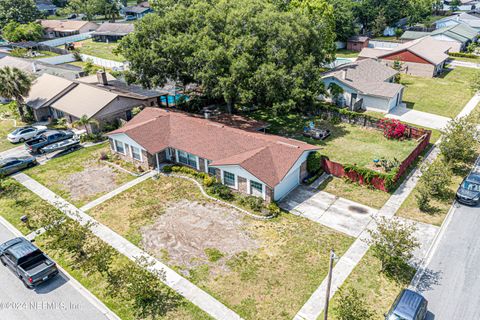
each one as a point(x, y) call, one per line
point(329, 283)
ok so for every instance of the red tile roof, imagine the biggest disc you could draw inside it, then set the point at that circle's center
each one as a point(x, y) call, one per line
point(267, 157)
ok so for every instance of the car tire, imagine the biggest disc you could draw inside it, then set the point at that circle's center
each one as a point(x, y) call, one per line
point(21, 140)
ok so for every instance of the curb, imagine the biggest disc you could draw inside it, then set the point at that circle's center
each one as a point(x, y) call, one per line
point(90, 297)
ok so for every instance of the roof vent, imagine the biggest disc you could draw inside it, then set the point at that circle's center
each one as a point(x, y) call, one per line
point(102, 77)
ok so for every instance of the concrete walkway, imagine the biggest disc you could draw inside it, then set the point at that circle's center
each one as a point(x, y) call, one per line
point(418, 118)
point(117, 191)
point(458, 63)
point(312, 309)
point(474, 101)
point(172, 279)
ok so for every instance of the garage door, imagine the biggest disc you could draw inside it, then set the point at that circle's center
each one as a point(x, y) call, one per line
point(287, 184)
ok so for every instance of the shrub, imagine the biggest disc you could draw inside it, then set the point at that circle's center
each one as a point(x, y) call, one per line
point(208, 181)
point(463, 55)
point(167, 169)
point(351, 306)
point(314, 162)
point(459, 143)
point(392, 128)
point(92, 137)
point(273, 209)
point(221, 190)
point(254, 203)
point(104, 155)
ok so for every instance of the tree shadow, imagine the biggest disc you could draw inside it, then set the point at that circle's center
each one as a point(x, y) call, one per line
point(445, 72)
point(403, 273)
point(428, 280)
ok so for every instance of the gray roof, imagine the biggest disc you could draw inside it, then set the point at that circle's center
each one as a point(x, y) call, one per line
point(120, 29)
point(367, 76)
point(469, 19)
point(412, 35)
point(358, 39)
point(137, 9)
point(460, 32)
point(38, 68)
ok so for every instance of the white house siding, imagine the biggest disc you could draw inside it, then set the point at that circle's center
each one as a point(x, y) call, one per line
point(146, 160)
point(369, 102)
point(238, 171)
point(289, 182)
point(126, 140)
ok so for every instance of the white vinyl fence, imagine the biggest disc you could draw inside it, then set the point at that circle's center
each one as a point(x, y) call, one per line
point(115, 65)
point(61, 41)
point(382, 44)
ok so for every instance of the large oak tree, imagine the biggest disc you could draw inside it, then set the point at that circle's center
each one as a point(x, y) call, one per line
point(244, 52)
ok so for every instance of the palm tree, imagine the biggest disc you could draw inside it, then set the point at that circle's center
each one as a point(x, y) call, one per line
point(15, 84)
point(84, 121)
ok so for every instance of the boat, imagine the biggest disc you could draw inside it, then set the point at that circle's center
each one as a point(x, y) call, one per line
point(62, 145)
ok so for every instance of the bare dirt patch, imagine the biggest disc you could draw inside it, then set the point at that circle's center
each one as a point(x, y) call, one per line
point(91, 181)
point(187, 228)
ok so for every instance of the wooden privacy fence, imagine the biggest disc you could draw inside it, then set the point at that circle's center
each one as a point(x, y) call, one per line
point(379, 180)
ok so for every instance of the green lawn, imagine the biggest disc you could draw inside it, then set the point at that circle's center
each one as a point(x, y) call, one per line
point(440, 207)
point(100, 50)
point(348, 144)
point(344, 53)
point(445, 95)
point(272, 280)
point(6, 126)
point(16, 200)
point(80, 177)
point(355, 192)
point(379, 290)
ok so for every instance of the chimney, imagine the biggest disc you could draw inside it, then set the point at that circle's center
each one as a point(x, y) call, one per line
point(102, 78)
point(34, 67)
point(344, 74)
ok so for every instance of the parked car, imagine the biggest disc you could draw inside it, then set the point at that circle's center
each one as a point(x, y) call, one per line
point(52, 136)
point(469, 191)
point(25, 133)
point(409, 305)
point(130, 18)
point(15, 164)
point(27, 261)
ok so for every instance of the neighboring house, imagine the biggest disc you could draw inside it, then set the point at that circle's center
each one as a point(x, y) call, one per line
point(459, 36)
point(391, 30)
point(65, 28)
point(136, 12)
point(357, 43)
point(465, 5)
point(100, 97)
point(367, 84)
point(469, 19)
point(424, 57)
point(37, 68)
point(47, 9)
point(249, 162)
point(112, 32)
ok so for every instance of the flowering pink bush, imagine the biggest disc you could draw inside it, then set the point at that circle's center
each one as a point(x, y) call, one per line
point(393, 129)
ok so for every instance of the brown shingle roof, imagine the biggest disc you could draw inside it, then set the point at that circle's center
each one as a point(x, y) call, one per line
point(65, 25)
point(267, 157)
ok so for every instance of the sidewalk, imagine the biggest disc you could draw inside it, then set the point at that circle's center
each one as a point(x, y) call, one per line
point(172, 279)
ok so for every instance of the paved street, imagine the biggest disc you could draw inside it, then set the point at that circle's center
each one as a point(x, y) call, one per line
point(57, 299)
point(451, 282)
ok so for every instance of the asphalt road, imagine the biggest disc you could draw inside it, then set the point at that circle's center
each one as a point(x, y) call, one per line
point(56, 299)
point(451, 283)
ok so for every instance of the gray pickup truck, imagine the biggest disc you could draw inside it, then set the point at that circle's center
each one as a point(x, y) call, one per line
point(27, 261)
point(52, 136)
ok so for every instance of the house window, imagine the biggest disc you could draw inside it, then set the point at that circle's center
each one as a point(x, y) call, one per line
point(229, 179)
point(119, 147)
point(187, 159)
point(211, 171)
point(256, 189)
point(136, 154)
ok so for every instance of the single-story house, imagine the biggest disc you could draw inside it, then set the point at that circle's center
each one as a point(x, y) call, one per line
point(112, 32)
point(459, 36)
point(249, 162)
point(100, 97)
point(462, 17)
point(47, 9)
point(137, 12)
point(65, 28)
point(367, 84)
point(424, 57)
point(357, 43)
point(37, 68)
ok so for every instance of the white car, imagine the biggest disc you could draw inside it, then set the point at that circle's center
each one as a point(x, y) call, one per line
point(25, 133)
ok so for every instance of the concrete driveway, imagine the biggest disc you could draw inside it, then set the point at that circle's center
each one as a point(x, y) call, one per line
point(418, 118)
point(337, 213)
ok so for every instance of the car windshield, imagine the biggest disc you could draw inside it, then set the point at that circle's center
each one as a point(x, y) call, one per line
point(471, 186)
